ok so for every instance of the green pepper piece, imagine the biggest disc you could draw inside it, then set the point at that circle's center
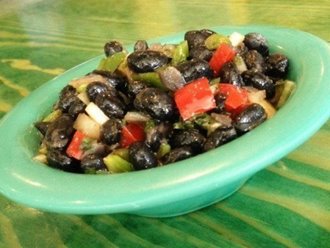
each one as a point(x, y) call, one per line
point(53, 116)
point(125, 71)
point(207, 122)
point(163, 150)
point(121, 152)
point(101, 64)
point(111, 63)
point(287, 88)
point(150, 78)
point(82, 88)
point(180, 53)
point(117, 164)
point(213, 41)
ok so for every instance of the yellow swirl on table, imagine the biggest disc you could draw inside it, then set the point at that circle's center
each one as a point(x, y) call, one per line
point(320, 217)
point(261, 227)
point(47, 44)
point(220, 228)
point(24, 64)
point(90, 231)
point(9, 235)
point(139, 241)
point(20, 89)
point(5, 107)
point(282, 170)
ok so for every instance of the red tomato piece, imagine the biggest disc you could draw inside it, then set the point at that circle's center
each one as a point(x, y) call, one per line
point(74, 149)
point(223, 54)
point(130, 133)
point(236, 97)
point(194, 98)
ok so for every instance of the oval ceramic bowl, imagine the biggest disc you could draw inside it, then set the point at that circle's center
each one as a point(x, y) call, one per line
point(186, 185)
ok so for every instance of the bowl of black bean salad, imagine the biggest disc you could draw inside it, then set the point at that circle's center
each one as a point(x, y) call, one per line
point(167, 126)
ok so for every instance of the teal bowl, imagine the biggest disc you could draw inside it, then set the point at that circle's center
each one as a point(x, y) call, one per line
point(181, 187)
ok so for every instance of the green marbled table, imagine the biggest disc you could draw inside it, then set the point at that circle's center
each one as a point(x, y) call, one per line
point(285, 205)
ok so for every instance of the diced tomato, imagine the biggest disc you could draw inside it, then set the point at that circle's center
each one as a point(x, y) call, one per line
point(236, 97)
point(130, 133)
point(194, 98)
point(223, 54)
point(74, 149)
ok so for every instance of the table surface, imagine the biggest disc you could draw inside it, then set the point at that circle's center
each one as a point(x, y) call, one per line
point(285, 205)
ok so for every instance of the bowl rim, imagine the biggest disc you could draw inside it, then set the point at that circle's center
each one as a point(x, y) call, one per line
point(32, 184)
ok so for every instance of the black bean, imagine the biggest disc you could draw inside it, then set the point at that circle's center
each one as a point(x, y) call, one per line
point(76, 107)
point(254, 60)
point(59, 132)
point(178, 154)
point(146, 61)
point(194, 69)
point(142, 156)
point(241, 49)
point(250, 118)
point(42, 126)
point(112, 47)
point(256, 41)
point(66, 98)
point(219, 137)
point(58, 159)
point(111, 131)
point(230, 74)
point(188, 137)
point(135, 87)
point(200, 52)
point(197, 38)
point(112, 106)
point(92, 164)
point(220, 103)
point(155, 135)
point(97, 88)
point(277, 65)
point(113, 79)
point(259, 81)
point(156, 103)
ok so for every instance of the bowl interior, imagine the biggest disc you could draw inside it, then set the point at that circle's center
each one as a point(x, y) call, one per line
point(34, 184)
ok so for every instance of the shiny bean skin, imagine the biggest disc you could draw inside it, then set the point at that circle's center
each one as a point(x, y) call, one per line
point(250, 118)
point(59, 132)
point(146, 61)
point(156, 103)
point(142, 156)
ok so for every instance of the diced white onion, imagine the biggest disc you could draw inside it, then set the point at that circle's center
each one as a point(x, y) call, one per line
point(258, 96)
point(88, 126)
point(133, 116)
point(83, 97)
point(236, 38)
point(96, 113)
point(172, 78)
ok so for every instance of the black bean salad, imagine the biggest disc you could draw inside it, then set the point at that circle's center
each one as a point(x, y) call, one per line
point(163, 103)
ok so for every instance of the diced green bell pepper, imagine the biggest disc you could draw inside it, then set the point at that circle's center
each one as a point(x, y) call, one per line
point(287, 88)
point(213, 41)
point(121, 152)
point(163, 149)
point(150, 78)
point(180, 53)
point(117, 164)
point(111, 63)
point(53, 116)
